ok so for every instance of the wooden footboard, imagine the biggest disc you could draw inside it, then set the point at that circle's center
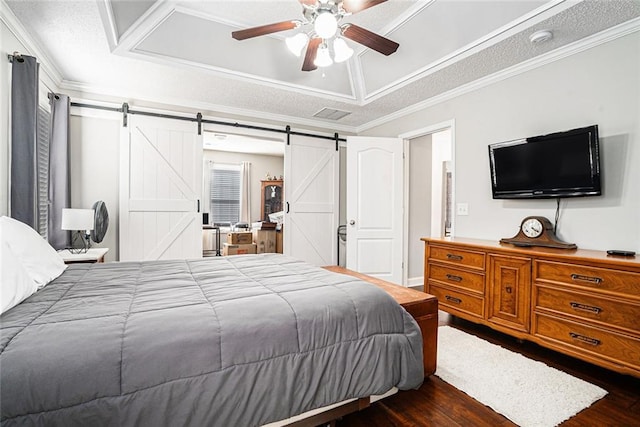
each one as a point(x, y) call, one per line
point(423, 307)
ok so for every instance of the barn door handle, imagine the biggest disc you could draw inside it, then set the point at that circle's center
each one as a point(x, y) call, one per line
point(198, 205)
point(287, 206)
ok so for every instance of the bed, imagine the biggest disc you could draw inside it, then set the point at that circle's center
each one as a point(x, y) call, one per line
point(240, 341)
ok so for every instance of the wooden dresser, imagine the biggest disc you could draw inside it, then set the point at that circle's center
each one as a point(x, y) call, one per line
point(579, 302)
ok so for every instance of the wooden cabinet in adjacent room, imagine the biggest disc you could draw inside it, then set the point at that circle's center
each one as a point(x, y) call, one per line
point(272, 196)
point(579, 302)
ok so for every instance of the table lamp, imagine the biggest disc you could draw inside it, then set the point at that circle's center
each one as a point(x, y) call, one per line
point(80, 222)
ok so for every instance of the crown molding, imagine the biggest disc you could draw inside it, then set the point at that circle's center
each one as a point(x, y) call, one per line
point(576, 47)
point(500, 34)
point(53, 74)
point(108, 22)
point(244, 77)
point(195, 107)
point(130, 47)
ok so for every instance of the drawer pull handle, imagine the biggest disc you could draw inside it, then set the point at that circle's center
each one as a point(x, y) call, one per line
point(454, 278)
point(581, 278)
point(584, 338)
point(453, 299)
point(584, 307)
point(454, 257)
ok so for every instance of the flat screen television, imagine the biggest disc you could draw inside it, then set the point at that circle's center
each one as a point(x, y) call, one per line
point(562, 164)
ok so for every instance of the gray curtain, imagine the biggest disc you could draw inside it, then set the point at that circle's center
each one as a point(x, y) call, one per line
point(24, 110)
point(245, 192)
point(59, 172)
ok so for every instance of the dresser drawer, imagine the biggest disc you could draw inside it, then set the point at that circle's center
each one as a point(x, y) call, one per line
point(458, 301)
point(456, 256)
point(580, 338)
point(617, 314)
point(457, 278)
point(593, 278)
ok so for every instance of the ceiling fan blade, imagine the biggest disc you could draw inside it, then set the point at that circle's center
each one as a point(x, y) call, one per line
point(370, 40)
point(264, 29)
point(353, 6)
point(310, 55)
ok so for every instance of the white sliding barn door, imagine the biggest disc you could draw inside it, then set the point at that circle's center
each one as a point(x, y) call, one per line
point(375, 183)
point(311, 186)
point(160, 188)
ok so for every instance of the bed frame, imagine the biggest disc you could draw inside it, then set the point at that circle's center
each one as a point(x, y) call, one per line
point(424, 309)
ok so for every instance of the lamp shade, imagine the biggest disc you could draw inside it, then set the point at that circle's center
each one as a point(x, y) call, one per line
point(297, 43)
point(341, 50)
point(323, 57)
point(77, 219)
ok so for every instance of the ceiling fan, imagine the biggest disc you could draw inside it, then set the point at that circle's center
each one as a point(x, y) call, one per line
point(323, 19)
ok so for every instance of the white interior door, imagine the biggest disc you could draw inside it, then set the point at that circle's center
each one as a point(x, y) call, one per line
point(311, 169)
point(375, 184)
point(160, 188)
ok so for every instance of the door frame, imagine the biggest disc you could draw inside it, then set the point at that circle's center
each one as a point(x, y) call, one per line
point(407, 137)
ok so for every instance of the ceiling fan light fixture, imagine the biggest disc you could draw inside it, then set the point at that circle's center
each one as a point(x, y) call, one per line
point(341, 50)
point(297, 43)
point(323, 57)
point(325, 25)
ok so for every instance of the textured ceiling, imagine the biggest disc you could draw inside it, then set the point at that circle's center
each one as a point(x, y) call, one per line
point(181, 54)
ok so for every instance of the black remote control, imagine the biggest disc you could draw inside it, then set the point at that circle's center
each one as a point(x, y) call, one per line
point(620, 253)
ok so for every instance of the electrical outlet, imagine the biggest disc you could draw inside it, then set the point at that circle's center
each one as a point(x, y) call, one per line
point(462, 208)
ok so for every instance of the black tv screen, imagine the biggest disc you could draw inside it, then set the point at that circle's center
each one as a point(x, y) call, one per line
point(562, 164)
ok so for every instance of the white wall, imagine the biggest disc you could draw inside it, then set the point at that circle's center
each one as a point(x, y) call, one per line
point(600, 86)
point(441, 152)
point(420, 197)
point(95, 151)
point(260, 166)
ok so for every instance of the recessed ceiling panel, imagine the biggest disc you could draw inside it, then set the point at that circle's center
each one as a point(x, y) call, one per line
point(127, 12)
point(198, 40)
point(443, 27)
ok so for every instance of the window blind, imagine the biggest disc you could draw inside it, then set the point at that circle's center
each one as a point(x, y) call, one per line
point(225, 193)
point(42, 152)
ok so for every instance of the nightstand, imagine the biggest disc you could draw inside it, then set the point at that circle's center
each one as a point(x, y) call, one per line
point(92, 255)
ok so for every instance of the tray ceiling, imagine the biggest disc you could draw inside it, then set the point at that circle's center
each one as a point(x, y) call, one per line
point(180, 53)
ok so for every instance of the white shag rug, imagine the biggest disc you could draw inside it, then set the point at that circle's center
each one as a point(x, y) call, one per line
point(528, 392)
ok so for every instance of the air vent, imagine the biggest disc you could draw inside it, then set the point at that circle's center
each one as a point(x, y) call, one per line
point(331, 114)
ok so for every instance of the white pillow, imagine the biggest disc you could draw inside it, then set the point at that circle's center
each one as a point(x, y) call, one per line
point(15, 283)
point(39, 259)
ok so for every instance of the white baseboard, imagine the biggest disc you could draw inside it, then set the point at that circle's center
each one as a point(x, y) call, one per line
point(416, 282)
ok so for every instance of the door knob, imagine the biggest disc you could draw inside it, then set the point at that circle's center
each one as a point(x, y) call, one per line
point(352, 222)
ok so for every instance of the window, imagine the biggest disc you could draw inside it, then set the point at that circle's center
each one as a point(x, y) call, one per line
point(42, 153)
point(224, 185)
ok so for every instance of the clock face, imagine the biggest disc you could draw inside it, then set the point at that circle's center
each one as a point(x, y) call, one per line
point(532, 228)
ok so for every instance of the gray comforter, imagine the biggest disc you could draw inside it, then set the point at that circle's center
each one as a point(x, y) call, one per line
point(232, 341)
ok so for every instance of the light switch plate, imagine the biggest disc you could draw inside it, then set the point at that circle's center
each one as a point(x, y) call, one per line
point(462, 209)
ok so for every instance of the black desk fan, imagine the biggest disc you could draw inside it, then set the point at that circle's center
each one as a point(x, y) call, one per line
point(100, 221)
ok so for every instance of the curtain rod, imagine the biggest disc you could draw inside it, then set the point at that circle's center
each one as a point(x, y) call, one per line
point(17, 56)
point(125, 110)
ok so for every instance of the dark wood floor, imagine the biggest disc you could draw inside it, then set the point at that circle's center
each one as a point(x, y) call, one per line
point(437, 403)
